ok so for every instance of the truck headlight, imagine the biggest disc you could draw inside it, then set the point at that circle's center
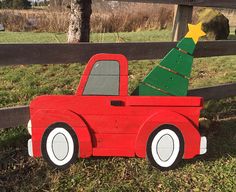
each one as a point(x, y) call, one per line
point(29, 127)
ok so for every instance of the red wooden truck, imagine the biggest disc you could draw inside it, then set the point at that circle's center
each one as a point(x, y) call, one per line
point(101, 119)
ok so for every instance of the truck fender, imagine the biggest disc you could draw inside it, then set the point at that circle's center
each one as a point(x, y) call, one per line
point(42, 119)
point(189, 131)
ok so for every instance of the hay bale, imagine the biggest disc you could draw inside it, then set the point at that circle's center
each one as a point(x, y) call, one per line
point(215, 24)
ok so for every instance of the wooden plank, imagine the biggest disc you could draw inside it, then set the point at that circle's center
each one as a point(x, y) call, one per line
point(199, 3)
point(16, 116)
point(183, 16)
point(215, 92)
point(13, 117)
point(16, 54)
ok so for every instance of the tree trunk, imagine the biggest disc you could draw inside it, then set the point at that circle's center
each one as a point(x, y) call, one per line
point(79, 29)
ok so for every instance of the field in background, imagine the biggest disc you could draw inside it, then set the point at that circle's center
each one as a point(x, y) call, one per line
point(215, 171)
point(105, 18)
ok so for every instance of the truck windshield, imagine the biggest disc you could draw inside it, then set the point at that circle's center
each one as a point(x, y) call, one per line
point(104, 79)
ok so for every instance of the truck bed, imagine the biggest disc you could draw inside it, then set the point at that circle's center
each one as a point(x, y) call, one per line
point(164, 101)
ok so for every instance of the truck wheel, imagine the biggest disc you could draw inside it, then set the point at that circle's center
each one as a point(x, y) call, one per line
point(60, 146)
point(165, 147)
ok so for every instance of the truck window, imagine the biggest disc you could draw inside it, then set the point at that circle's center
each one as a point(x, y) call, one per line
point(104, 79)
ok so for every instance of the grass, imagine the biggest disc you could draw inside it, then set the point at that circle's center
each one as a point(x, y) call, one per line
point(31, 37)
point(215, 171)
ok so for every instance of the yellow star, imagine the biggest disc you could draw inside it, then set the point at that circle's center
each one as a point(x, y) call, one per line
point(195, 32)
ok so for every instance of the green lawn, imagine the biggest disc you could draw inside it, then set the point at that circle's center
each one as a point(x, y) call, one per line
point(30, 37)
point(215, 171)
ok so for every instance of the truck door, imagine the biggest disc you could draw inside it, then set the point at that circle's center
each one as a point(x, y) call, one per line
point(102, 92)
point(106, 92)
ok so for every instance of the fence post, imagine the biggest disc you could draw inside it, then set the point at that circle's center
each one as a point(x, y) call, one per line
point(183, 16)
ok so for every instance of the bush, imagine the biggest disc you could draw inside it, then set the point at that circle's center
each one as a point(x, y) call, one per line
point(215, 24)
point(15, 4)
point(21, 4)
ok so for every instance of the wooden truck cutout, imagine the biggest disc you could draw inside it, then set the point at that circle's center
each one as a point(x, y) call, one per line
point(101, 119)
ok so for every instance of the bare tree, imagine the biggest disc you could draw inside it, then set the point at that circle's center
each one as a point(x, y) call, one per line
point(79, 29)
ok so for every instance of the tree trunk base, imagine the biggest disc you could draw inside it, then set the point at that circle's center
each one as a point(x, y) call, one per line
point(79, 28)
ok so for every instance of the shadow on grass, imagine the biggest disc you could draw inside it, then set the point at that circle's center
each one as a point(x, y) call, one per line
point(221, 142)
point(13, 138)
point(221, 138)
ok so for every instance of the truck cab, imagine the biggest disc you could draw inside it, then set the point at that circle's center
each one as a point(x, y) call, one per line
point(105, 74)
point(101, 119)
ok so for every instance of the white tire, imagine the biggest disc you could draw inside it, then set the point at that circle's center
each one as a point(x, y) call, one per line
point(59, 145)
point(165, 147)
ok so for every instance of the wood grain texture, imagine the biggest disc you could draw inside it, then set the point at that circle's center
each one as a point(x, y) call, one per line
point(17, 54)
point(199, 3)
point(16, 116)
point(183, 16)
point(215, 92)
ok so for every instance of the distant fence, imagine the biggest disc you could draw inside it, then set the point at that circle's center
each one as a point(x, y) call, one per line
point(198, 3)
point(16, 54)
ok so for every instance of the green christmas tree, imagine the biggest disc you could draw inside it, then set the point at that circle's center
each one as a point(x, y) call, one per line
point(171, 76)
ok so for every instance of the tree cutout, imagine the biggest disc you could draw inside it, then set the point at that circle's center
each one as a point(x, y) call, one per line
point(171, 76)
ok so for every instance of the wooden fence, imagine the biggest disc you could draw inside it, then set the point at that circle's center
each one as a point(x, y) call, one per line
point(17, 54)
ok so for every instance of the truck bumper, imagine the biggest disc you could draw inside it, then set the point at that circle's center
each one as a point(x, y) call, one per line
point(30, 148)
point(203, 145)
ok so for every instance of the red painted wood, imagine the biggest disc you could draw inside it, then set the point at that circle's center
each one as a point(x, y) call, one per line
point(189, 131)
point(43, 118)
point(165, 101)
point(106, 130)
point(111, 145)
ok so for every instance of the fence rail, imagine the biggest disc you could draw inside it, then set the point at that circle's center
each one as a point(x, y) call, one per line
point(16, 54)
point(16, 116)
point(198, 3)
